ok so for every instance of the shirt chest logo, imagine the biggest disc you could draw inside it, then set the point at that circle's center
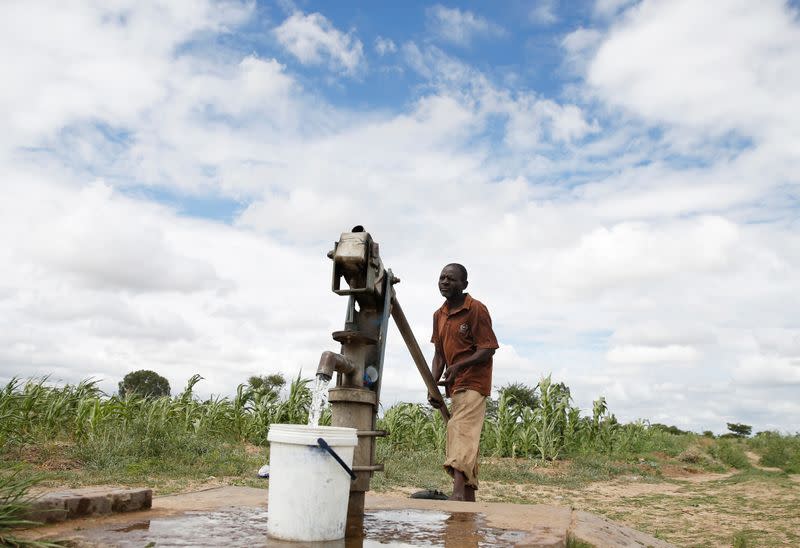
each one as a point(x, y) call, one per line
point(463, 329)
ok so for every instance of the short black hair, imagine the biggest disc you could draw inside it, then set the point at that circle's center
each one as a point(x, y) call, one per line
point(460, 268)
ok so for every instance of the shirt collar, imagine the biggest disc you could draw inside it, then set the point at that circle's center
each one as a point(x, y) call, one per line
point(464, 306)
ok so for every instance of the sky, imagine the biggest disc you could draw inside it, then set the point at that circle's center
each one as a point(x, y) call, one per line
point(621, 179)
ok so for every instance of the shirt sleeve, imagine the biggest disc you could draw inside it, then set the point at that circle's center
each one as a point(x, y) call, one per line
point(483, 333)
point(435, 335)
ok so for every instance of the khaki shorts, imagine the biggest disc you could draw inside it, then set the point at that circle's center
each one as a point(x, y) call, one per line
point(464, 434)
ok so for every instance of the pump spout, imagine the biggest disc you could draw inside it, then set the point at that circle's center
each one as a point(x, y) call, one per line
point(330, 362)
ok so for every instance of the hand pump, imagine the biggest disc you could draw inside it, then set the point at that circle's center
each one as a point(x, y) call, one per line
point(359, 366)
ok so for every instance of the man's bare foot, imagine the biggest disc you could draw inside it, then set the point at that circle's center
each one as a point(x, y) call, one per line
point(469, 493)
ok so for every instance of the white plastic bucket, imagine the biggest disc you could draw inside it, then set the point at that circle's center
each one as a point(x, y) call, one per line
point(308, 488)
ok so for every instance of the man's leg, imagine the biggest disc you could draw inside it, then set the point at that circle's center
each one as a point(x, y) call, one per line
point(463, 438)
point(459, 485)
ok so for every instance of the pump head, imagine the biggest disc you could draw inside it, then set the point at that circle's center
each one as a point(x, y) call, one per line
point(356, 258)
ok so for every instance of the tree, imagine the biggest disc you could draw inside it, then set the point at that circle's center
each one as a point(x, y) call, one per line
point(740, 430)
point(267, 383)
point(144, 383)
point(520, 394)
point(668, 428)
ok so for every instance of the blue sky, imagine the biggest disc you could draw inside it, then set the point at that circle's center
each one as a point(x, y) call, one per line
point(619, 176)
point(519, 45)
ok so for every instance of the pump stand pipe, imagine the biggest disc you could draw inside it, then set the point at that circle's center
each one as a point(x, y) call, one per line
point(416, 354)
point(331, 362)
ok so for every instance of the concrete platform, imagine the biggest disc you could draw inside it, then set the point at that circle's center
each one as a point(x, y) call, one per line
point(59, 506)
point(540, 525)
point(546, 526)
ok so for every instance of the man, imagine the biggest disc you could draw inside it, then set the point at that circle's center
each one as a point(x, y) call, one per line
point(464, 343)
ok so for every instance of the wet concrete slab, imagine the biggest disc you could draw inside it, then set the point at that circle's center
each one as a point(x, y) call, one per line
point(91, 501)
point(542, 525)
point(545, 526)
point(247, 527)
point(237, 516)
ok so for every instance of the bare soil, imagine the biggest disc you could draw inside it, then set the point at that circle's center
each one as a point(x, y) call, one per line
point(682, 507)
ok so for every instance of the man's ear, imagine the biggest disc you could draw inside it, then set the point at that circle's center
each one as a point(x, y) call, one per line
point(466, 283)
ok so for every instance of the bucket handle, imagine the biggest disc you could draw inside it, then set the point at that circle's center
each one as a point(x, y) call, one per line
point(324, 444)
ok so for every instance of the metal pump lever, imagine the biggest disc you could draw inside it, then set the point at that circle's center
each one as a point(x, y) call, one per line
point(416, 354)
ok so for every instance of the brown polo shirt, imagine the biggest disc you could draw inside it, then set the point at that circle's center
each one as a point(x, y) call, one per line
point(459, 333)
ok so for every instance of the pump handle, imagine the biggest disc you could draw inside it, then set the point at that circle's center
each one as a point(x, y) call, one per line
point(416, 354)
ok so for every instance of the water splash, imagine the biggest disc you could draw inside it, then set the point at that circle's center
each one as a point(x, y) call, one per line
point(319, 399)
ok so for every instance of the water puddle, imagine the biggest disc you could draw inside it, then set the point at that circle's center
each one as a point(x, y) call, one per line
point(431, 528)
point(247, 527)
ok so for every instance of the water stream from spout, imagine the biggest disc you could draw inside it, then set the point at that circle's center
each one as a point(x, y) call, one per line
point(319, 399)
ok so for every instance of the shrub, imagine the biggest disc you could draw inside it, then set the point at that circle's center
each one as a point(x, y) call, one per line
point(731, 453)
point(778, 451)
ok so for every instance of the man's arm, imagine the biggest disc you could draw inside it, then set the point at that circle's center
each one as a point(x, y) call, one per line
point(437, 368)
point(479, 357)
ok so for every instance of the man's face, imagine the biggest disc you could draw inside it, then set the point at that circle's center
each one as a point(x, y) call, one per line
point(451, 283)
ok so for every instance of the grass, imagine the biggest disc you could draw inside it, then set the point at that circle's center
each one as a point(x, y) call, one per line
point(573, 542)
point(422, 469)
point(61, 464)
point(15, 501)
point(742, 539)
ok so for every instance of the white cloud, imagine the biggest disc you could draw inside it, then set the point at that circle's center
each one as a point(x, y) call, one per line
point(627, 252)
point(531, 121)
point(530, 118)
point(715, 67)
point(89, 231)
point(769, 358)
point(661, 334)
point(102, 61)
point(672, 353)
point(460, 27)
point(579, 46)
point(609, 8)
point(313, 40)
point(759, 370)
point(384, 46)
point(581, 39)
point(544, 12)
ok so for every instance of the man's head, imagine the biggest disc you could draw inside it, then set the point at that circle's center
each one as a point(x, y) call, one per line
point(453, 280)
